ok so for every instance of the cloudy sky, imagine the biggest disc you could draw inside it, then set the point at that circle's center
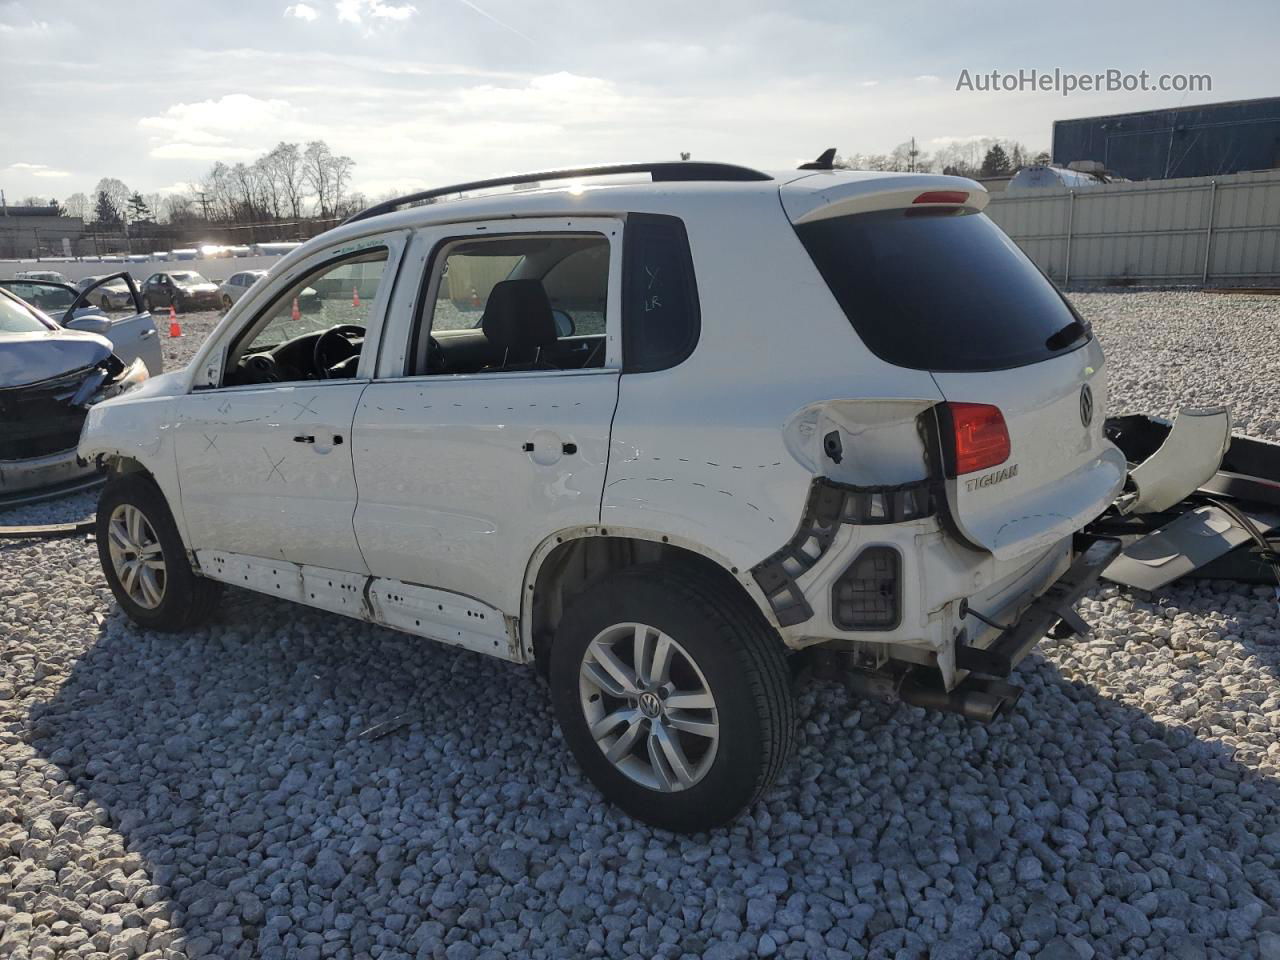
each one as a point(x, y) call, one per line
point(421, 92)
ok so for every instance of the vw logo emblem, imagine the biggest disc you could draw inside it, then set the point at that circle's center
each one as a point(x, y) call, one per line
point(1086, 405)
point(650, 705)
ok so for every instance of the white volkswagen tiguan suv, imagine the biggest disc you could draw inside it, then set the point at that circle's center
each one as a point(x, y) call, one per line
point(655, 428)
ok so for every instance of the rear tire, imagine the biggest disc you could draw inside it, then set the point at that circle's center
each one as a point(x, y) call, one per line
point(689, 767)
point(105, 304)
point(226, 303)
point(144, 560)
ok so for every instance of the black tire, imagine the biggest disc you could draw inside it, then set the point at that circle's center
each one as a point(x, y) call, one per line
point(745, 667)
point(146, 303)
point(105, 304)
point(180, 304)
point(226, 303)
point(187, 598)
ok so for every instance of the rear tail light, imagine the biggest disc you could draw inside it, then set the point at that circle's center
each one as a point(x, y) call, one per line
point(942, 196)
point(867, 595)
point(979, 437)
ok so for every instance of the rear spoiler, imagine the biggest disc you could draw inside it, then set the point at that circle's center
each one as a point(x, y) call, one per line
point(840, 193)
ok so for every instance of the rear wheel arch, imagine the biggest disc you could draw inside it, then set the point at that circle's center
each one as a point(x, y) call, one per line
point(569, 562)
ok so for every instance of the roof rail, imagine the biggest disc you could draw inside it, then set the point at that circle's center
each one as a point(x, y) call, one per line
point(662, 171)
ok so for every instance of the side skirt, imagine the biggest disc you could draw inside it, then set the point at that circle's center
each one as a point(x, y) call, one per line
point(439, 615)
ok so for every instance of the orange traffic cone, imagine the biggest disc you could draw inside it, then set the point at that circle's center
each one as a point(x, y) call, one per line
point(475, 298)
point(175, 329)
point(295, 314)
point(355, 296)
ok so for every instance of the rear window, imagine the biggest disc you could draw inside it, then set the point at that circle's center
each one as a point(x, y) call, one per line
point(941, 290)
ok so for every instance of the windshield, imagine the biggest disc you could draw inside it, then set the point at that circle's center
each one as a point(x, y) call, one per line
point(187, 278)
point(939, 290)
point(14, 318)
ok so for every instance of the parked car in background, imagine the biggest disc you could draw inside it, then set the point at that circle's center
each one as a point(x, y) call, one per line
point(235, 286)
point(52, 275)
point(112, 295)
point(238, 284)
point(132, 336)
point(181, 289)
point(49, 377)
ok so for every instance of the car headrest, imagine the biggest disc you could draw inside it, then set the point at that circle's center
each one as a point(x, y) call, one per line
point(518, 316)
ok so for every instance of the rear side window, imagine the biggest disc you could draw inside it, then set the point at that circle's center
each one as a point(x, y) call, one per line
point(660, 316)
point(941, 290)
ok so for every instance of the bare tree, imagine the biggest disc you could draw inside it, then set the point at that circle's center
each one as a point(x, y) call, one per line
point(286, 158)
point(176, 208)
point(155, 202)
point(317, 169)
point(77, 205)
point(116, 192)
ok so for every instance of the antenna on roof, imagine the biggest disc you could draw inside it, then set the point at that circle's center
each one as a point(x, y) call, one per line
point(826, 161)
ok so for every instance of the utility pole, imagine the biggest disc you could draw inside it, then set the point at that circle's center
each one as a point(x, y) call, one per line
point(203, 200)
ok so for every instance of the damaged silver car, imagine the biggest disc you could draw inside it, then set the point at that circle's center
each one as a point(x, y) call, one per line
point(49, 377)
point(133, 336)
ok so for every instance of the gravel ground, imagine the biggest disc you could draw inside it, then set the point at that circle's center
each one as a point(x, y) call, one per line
point(211, 794)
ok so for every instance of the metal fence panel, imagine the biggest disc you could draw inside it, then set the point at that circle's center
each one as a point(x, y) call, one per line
point(1211, 230)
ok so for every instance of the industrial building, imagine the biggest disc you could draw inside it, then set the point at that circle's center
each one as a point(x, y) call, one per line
point(1205, 140)
point(38, 231)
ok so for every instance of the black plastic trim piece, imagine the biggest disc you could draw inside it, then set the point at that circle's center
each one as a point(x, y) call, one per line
point(824, 511)
point(667, 171)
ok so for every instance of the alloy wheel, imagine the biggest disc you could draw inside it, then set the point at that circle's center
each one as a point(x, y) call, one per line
point(136, 556)
point(649, 707)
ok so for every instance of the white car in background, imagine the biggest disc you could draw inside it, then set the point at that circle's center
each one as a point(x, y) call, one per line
point(112, 295)
point(238, 284)
point(655, 438)
point(52, 276)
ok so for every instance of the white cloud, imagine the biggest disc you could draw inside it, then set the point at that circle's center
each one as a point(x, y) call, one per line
point(356, 11)
point(960, 141)
point(37, 170)
point(927, 78)
point(302, 11)
point(237, 126)
point(34, 26)
point(870, 83)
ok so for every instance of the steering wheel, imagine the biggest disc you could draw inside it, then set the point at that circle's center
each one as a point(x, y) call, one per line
point(340, 333)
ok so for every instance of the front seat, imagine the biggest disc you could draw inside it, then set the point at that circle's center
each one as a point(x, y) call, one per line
point(518, 321)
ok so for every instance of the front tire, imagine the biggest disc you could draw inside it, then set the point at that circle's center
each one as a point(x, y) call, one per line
point(674, 696)
point(144, 560)
point(105, 304)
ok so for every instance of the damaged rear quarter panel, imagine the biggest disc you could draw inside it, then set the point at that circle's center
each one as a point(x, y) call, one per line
point(721, 450)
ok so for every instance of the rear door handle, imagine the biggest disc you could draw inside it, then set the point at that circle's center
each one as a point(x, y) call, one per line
point(310, 438)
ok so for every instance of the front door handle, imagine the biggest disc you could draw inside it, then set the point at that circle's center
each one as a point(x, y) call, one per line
point(568, 449)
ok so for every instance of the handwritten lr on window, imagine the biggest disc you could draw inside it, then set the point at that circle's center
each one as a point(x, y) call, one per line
point(652, 301)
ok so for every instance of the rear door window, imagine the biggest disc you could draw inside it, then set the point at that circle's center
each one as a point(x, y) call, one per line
point(941, 290)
